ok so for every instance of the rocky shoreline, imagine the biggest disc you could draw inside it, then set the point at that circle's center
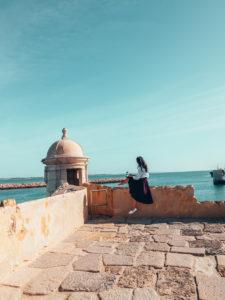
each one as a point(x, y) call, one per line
point(10, 186)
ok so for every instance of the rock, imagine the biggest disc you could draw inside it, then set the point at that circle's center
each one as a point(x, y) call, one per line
point(161, 238)
point(116, 294)
point(178, 242)
point(221, 264)
point(179, 260)
point(116, 270)
point(117, 260)
point(210, 287)
point(152, 246)
point(82, 296)
point(176, 283)
point(52, 259)
point(214, 228)
point(46, 282)
point(151, 258)
point(130, 249)
point(141, 238)
point(145, 294)
point(212, 246)
point(7, 202)
point(20, 277)
point(134, 277)
point(186, 250)
point(10, 293)
point(205, 265)
point(89, 262)
point(192, 232)
point(86, 281)
point(98, 249)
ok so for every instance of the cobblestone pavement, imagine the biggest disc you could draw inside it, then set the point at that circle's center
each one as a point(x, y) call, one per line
point(131, 259)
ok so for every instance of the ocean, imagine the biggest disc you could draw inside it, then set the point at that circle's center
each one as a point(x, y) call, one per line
point(201, 180)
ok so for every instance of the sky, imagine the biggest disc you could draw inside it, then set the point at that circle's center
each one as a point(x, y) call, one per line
point(127, 78)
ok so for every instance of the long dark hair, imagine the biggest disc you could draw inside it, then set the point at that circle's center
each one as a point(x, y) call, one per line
point(141, 163)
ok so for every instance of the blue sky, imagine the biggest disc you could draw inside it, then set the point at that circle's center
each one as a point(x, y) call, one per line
point(127, 78)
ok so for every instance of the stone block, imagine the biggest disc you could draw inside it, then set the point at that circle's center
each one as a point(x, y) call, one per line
point(186, 250)
point(46, 282)
point(191, 232)
point(98, 249)
point(210, 287)
point(116, 270)
point(117, 260)
point(89, 262)
point(176, 283)
point(116, 294)
point(145, 294)
point(10, 293)
point(20, 277)
point(212, 246)
point(140, 277)
point(78, 281)
point(205, 265)
point(151, 258)
point(152, 246)
point(178, 242)
point(179, 260)
point(83, 296)
point(130, 249)
point(52, 259)
point(161, 238)
point(221, 264)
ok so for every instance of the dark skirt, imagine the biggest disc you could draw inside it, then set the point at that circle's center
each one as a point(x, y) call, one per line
point(140, 191)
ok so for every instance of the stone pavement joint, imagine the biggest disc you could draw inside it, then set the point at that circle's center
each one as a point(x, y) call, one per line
point(137, 259)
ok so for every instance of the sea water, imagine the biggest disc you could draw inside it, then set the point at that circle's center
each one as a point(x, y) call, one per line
point(201, 180)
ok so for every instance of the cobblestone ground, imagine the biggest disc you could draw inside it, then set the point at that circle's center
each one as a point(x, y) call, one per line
point(131, 259)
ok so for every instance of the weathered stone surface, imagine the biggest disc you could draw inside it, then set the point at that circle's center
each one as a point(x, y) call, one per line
point(89, 262)
point(179, 260)
point(151, 258)
point(83, 243)
point(176, 283)
point(52, 259)
point(205, 265)
point(123, 230)
point(167, 231)
point(214, 228)
point(192, 232)
point(116, 294)
point(161, 238)
point(152, 246)
point(210, 287)
point(46, 282)
point(83, 296)
point(194, 251)
point(141, 238)
point(55, 296)
point(145, 294)
point(137, 277)
point(68, 248)
point(117, 260)
point(212, 246)
point(221, 264)
point(78, 235)
point(98, 249)
point(134, 227)
point(130, 249)
point(116, 270)
point(20, 277)
point(87, 281)
point(10, 293)
point(178, 242)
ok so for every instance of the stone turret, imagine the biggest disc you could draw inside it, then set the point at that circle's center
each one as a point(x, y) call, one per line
point(65, 163)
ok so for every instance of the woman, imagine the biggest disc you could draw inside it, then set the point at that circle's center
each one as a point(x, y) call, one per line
point(138, 185)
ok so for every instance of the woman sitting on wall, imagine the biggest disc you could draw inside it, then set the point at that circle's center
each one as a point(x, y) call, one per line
point(138, 185)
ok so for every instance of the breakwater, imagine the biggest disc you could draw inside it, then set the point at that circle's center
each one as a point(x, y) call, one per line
point(10, 186)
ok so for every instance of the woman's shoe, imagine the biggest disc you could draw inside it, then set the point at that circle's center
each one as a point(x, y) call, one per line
point(132, 211)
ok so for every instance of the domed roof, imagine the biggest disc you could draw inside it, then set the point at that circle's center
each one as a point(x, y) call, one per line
point(64, 148)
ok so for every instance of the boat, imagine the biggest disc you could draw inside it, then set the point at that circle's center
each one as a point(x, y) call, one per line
point(218, 176)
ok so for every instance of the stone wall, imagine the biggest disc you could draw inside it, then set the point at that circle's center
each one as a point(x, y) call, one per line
point(27, 228)
point(169, 201)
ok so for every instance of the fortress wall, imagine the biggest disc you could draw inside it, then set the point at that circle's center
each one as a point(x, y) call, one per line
point(28, 228)
point(169, 201)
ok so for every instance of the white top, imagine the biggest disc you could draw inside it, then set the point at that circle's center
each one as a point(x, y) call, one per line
point(141, 174)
